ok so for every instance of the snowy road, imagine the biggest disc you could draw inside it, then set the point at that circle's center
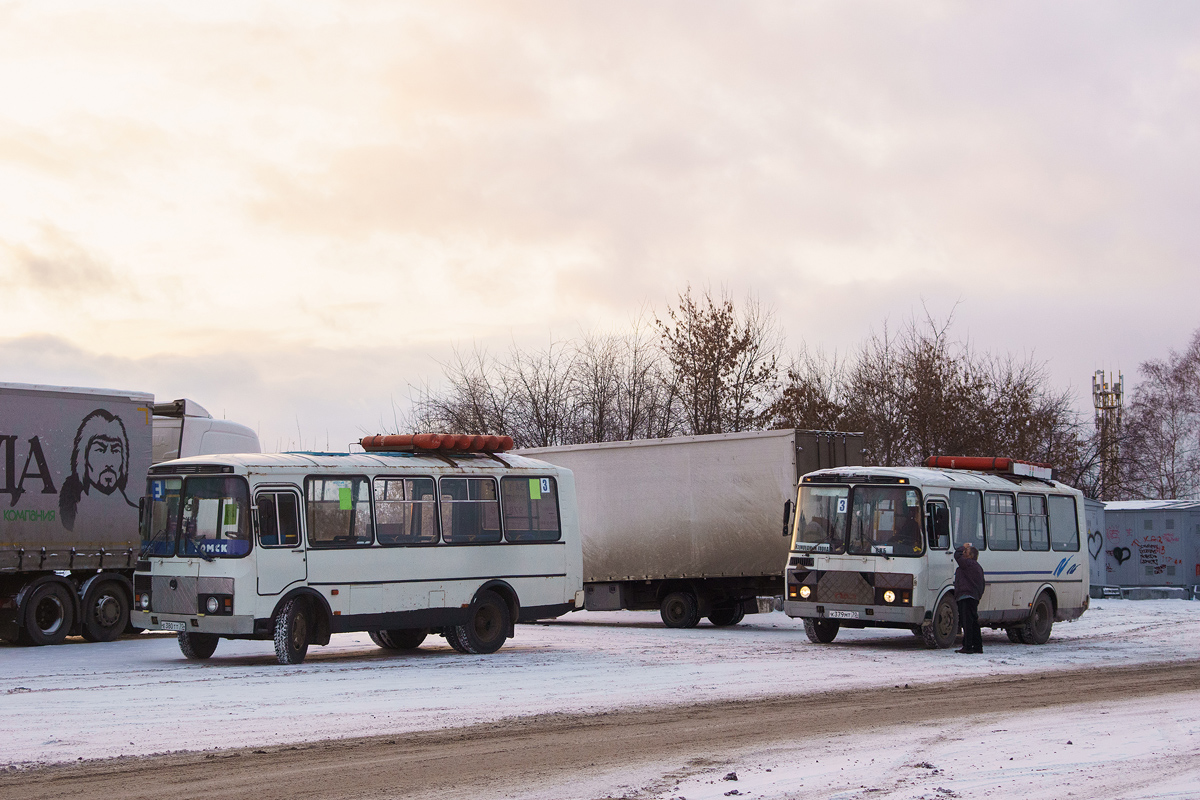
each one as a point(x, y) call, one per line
point(137, 696)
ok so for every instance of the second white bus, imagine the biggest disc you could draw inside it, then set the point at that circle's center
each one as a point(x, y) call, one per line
point(295, 547)
point(874, 547)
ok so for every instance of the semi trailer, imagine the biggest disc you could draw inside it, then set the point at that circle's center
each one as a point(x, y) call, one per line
point(73, 465)
point(694, 526)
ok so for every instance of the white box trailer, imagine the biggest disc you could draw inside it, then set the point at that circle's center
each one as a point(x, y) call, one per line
point(692, 525)
point(73, 464)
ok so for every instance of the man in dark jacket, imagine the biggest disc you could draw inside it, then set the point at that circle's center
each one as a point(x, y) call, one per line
point(969, 584)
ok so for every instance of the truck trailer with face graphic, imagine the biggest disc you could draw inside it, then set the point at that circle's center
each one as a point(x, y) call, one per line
point(72, 464)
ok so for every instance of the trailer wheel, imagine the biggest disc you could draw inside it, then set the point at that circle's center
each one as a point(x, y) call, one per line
point(680, 610)
point(451, 634)
point(821, 631)
point(1036, 629)
point(292, 632)
point(105, 612)
point(727, 615)
point(940, 631)
point(198, 646)
point(487, 628)
point(49, 615)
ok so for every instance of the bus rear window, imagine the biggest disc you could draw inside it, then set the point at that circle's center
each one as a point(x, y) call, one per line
point(530, 509)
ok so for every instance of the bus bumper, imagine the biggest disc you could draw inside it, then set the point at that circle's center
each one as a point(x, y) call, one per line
point(851, 615)
point(192, 623)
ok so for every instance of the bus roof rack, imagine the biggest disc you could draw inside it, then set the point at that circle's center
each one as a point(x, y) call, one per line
point(435, 443)
point(1008, 466)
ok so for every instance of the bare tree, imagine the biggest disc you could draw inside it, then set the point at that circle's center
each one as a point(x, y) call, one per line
point(1163, 450)
point(724, 361)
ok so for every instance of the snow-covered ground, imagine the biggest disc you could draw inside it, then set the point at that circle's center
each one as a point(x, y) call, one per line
point(139, 696)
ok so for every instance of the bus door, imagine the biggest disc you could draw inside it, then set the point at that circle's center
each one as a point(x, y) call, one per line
point(939, 561)
point(281, 558)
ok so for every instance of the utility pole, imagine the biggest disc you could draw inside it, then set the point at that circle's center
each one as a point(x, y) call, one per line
point(1108, 396)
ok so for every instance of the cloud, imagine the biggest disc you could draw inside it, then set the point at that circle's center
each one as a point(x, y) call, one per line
point(58, 268)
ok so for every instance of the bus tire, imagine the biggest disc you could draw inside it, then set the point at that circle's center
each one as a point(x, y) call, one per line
point(821, 631)
point(940, 631)
point(451, 634)
point(680, 610)
point(48, 615)
point(105, 612)
point(198, 646)
point(1036, 629)
point(918, 630)
point(404, 638)
point(724, 616)
point(1015, 635)
point(293, 632)
point(487, 628)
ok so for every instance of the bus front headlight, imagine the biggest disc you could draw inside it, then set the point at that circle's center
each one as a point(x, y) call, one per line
point(213, 605)
point(889, 596)
point(145, 601)
point(805, 592)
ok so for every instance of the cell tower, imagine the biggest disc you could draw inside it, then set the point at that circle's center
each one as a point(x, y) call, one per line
point(1108, 396)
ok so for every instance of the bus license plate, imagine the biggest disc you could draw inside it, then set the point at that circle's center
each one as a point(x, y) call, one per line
point(174, 626)
point(842, 614)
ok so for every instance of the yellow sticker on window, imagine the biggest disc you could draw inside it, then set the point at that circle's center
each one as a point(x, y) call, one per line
point(535, 489)
point(345, 500)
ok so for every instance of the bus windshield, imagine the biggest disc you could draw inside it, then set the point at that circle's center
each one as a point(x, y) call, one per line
point(886, 520)
point(821, 520)
point(205, 517)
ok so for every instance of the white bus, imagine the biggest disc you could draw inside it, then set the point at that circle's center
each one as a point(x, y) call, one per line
point(294, 547)
point(874, 547)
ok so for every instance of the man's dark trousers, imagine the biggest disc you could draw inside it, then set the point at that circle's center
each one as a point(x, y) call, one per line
point(968, 615)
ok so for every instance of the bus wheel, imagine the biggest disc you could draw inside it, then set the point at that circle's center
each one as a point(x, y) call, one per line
point(105, 612)
point(1036, 629)
point(680, 610)
point(399, 638)
point(940, 631)
point(198, 646)
point(49, 615)
point(451, 634)
point(727, 615)
point(1015, 635)
point(292, 632)
point(821, 631)
point(488, 625)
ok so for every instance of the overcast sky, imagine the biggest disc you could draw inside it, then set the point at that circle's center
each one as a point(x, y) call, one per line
point(290, 212)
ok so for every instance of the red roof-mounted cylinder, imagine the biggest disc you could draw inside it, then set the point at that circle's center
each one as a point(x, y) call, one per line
point(977, 463)
point(435, 442)
point(1009, 466)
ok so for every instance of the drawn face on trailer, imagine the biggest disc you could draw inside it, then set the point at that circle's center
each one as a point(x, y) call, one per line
point(105, 462)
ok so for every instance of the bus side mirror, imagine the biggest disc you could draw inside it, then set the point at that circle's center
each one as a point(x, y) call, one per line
point(787, 517)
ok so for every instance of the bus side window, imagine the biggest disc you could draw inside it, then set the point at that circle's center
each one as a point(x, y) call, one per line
point(1064, 525)
point(530, 509)
point(289, 519)
point(1001, 516)
point(966, 518)
point(470, 510)
point(937, 523)
point(268, 521)
point(1031, 520)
